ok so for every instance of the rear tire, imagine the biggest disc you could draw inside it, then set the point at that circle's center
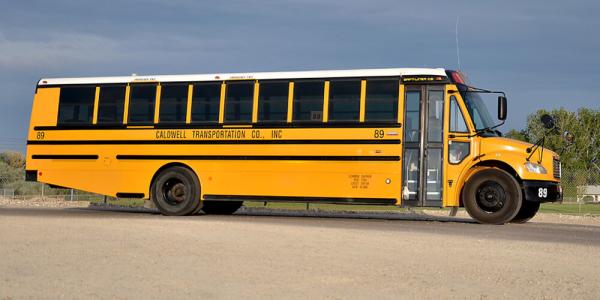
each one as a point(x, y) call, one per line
point(527, 211)
point(176, 191)
point(221, 207)
point(492, 196)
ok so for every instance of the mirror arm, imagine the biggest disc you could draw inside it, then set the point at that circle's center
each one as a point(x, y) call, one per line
point(531, 150)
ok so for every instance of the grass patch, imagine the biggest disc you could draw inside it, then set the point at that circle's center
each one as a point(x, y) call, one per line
point(125, 202)
point(571, 208)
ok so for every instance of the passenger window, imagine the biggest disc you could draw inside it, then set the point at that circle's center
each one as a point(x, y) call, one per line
point(76, 105)
point(238, 103)
point(173, 103)
point(273, 101)
point(205, 102)
point(457, 121)
point(381, 103)
point(111, 104)
point(344, 100)
point(141, 104)
point(308, 101)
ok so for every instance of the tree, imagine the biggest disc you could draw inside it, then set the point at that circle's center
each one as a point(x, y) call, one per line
point(579, 160)
point(520, 135)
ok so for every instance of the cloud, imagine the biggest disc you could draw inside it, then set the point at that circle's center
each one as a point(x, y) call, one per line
point(56, 50)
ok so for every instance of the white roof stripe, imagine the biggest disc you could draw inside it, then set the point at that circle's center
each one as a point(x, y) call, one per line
point(250, 75)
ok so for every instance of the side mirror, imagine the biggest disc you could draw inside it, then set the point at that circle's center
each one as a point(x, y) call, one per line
point(548, 121)
point(568, 137)
point(501, 108)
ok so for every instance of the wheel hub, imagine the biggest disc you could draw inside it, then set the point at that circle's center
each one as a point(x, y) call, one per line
point(491, 196)
point(174, 191)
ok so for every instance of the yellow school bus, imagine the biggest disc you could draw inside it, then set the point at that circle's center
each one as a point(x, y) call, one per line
point(399, 136)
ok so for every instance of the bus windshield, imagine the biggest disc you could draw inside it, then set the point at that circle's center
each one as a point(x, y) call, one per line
point(477, 109)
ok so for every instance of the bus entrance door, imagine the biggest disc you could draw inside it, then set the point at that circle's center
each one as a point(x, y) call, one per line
point(422, 172)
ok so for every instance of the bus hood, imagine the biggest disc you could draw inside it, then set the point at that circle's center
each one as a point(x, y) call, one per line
point(494, 144)
point(514, 152)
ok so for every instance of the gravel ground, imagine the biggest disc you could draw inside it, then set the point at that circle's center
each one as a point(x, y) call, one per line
point(50, 253)
point(42, 202)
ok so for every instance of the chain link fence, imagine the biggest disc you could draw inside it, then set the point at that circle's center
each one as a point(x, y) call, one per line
point(37, 190)
point(581, 186)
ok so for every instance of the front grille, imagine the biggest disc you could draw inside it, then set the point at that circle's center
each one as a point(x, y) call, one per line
point(556, 168)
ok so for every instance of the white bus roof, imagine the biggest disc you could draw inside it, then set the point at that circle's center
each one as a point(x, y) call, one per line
point(249, 75)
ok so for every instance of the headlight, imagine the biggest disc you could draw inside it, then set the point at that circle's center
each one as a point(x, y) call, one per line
point(535, 168)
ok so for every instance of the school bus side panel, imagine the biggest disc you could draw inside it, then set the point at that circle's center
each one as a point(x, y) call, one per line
point(278, 175)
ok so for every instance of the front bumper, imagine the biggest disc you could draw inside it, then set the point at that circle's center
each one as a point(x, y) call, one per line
point(542, 191)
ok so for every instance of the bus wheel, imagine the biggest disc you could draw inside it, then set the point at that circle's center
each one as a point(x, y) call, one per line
point(221, 207)
point(176, 191)
point(492, 196)
point(527, 211)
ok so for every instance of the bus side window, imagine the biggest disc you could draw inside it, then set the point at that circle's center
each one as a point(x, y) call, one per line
point(381, 103)
point(238, 102)
point(111, 104)
point(173, 103)
point(76, 105)
point(457, 121)
point(344, 100)
point(205, 102)
point(308, 101)
point(457, 151)
point(141, 104)
point(273, 101)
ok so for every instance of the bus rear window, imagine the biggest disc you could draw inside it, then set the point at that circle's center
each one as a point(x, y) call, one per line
point(141, 104)
point(76, 105)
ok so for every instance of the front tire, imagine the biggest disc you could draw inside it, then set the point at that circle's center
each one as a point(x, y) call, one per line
point(176, 191)
point(492, 196)
point(221, 207)
point(527, 211)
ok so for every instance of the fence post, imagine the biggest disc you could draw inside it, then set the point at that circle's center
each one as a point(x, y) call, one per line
point(71, 194)
point(43, 191)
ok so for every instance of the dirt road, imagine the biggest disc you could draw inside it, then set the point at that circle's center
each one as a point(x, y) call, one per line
point(82, 253)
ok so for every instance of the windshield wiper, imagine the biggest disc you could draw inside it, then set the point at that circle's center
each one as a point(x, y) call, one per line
point(490, 129)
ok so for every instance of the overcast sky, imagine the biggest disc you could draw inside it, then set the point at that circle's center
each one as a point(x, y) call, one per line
point(544, 54)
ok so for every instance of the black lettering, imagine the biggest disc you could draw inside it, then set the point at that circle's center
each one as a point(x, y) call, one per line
point(277, 134)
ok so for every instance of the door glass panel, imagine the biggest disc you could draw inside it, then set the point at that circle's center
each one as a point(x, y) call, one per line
point(411, 117)
point(435, 123)
point(434, 174)
point(411, 174)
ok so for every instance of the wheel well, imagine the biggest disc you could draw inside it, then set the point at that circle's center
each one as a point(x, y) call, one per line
point(500, 165)
point(169, 165)
point(492, 164)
